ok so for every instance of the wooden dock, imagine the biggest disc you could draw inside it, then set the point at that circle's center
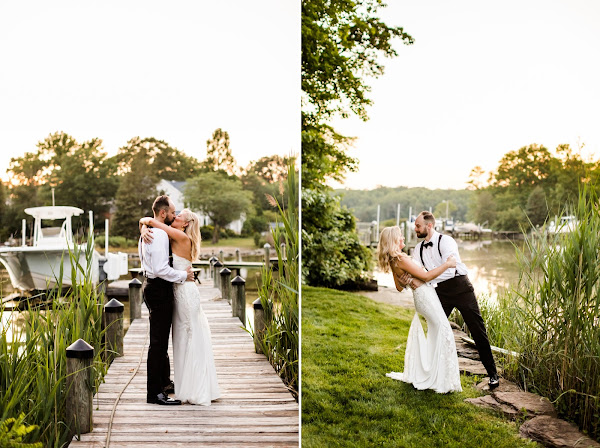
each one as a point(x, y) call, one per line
point(255, 408)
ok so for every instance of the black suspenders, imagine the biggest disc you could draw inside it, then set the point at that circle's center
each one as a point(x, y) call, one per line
point(421, 251)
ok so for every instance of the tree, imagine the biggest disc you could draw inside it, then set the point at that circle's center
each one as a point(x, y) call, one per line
point(134, 200)
point(445, 209)
point(81, 174)
point(270, 169)
point(342, 43)
point(218, 154)
point(162, 161)
point(483, 208)
point(219, 196)
point(537, 207)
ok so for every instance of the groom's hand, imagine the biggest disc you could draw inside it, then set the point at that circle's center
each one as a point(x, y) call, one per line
point(190, 274)
point(404, 279)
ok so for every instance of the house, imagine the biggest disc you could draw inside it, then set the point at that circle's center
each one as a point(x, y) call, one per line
point(174, 189)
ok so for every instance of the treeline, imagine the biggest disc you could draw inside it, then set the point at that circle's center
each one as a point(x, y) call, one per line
point(82, 174)
point(363, 203)
point(530, 186)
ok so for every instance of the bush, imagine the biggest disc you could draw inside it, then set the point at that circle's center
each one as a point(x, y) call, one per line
point(116, 241)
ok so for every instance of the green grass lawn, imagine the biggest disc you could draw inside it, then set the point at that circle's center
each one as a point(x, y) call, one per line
point(349, 343)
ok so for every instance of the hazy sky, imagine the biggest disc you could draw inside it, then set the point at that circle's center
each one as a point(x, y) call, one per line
point(172, 70)
point(481, 79)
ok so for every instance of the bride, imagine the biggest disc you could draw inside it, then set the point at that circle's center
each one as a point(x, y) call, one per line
point(194, 365)
point(430, 362)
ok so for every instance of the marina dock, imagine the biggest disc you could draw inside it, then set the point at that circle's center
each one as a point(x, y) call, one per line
point(255, 408)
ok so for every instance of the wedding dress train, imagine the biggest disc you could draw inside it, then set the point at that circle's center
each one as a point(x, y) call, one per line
point(194, 366)
point(430, 362)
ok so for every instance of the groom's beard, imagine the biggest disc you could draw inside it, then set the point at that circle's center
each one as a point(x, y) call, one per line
point(169, 221)
point(421, 235)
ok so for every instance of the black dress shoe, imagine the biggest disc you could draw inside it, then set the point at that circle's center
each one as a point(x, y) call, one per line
point(494, 381)
point(164, 400)
point(169, 389)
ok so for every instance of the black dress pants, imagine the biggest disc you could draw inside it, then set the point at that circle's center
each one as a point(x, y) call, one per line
point(458, 293)
point(158, 296)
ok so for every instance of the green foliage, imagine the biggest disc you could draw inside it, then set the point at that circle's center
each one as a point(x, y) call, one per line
point(12, 432)
point(134, 200)
point(482, 208)
point(331, 251)
point(33, 357)
point(551, 318)
point(115, 241)
point(279, 293)
point(81, 173)
point(537, 207)
point(363, 203)
point(157, 160)
point(219, 196)
point(510, 219)
point(218, 154)
point(349, 343)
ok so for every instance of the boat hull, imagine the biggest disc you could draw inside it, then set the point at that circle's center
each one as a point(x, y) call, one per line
point(36, 268)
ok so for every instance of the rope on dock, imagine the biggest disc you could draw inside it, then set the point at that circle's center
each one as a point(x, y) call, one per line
point(112, 414)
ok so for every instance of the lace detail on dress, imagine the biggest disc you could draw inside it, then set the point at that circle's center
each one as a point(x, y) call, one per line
point(430, 362)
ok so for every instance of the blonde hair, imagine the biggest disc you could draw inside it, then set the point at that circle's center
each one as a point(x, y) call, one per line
point(192, 231)
point(389, 247)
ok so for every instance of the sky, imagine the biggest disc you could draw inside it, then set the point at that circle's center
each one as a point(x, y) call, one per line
point(175, 71)
point(481, 79)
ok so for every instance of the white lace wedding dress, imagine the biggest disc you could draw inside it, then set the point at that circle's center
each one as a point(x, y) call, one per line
point(430, 362)
point(195, 374)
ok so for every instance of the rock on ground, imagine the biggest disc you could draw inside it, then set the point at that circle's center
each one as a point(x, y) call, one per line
point(527, 403)
point(555, 433)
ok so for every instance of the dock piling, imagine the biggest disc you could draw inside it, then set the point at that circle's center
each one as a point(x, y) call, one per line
point(238, 298)
point(216, 276)
point(135, 299)
point(225, 284)
point(267, 248)
point(259, 324)
point(113, 323)
point(78, 408)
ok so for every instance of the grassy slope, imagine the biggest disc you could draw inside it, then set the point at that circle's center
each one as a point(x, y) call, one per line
point(348, 344)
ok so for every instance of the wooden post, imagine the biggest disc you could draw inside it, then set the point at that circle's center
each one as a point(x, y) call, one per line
point(113, 323)
point(135, 299)
point(259, 324)
point(282, 251)
point(221, 256)
point(78, 407)
point(217, 278)
point(212, 261)
point(267, 248)
point(102, 281)
point(238, 256)
point(238, 298)
point(225, 285)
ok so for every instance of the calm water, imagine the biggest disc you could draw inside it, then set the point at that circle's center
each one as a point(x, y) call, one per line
point(492, 266)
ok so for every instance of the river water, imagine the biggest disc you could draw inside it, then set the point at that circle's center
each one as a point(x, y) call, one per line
point(492, 266)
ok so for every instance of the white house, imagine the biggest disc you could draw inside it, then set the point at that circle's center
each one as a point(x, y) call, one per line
point(174, 189)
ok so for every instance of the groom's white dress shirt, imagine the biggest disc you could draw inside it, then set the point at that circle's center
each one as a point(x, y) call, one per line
point(155, 258)
point(431, 257)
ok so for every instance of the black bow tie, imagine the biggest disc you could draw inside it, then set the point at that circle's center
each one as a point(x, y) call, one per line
point(426, 245)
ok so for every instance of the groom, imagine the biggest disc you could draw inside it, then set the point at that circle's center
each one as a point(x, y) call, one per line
point(158, 296)
point(453, 286)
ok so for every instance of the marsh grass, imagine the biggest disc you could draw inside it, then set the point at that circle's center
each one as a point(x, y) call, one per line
point(349, 343)
point(552, 318)
point(278, 292)
point(33, 362)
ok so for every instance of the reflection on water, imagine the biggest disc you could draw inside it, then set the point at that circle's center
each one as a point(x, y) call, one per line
point(492, 267)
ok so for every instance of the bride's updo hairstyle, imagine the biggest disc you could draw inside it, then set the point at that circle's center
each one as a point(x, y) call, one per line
point(388, 247)
point(193, 231)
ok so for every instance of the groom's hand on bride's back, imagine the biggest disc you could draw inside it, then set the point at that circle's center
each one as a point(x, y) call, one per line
point(190, 274)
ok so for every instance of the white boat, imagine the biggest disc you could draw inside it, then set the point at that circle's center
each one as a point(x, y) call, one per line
point(37, 267)
point(564, 225)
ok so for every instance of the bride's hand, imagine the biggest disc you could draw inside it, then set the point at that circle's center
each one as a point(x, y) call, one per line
point(451, 261)
point(145, 220)
point(146, 233)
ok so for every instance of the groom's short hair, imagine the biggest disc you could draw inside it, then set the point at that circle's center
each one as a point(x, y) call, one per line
point(428, 217)
point(161, 203)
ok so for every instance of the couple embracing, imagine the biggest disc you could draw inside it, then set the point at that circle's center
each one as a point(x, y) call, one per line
point(173, 299)
point(431, 362)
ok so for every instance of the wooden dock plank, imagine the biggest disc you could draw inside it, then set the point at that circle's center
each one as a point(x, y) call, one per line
point(255, 408)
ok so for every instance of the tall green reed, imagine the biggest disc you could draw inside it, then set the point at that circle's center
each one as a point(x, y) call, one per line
point(33, 360)
point(552, 317)
point(278, 292)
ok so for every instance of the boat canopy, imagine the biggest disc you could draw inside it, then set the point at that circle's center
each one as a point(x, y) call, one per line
point(53, 212)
